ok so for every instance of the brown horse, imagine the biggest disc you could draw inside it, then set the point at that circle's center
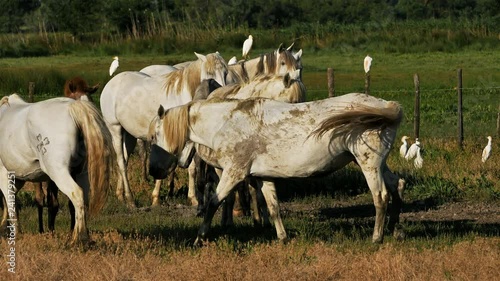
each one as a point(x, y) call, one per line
point(75, 88)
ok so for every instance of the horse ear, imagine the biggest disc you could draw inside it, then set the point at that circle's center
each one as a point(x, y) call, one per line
point(298, 55)
point(93, 89)
point(290, 47)
point(281, 48)
point(201, 57)
point(161, 112)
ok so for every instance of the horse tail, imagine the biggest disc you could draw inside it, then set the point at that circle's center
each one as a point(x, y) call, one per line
point(100, 154)
point(360, 118)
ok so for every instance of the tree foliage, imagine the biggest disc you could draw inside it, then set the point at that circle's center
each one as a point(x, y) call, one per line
point(81, 16)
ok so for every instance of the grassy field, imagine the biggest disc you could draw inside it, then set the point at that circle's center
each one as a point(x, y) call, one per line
point(156, 243)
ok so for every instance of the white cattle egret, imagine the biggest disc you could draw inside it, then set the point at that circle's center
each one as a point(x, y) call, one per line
point(414, 152)
point(404, 147)
point(487, 150)
point(367, 63)
point(232, 61)
point(247, 45)
point(114, 65)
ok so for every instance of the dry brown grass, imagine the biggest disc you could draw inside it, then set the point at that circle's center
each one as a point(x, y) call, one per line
point(115, 258)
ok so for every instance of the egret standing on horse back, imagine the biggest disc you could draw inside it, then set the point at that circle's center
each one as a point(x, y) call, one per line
point(247, 46)
point(266, 139)
point(114, 65)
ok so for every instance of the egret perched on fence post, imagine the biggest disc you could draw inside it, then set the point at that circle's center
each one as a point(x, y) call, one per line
point(114, 65)
point(367, 64)
point(487, 150)
point(247, 45)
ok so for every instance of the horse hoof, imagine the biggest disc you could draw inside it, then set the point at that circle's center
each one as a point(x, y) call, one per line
point(198, 242)
point(399, 235)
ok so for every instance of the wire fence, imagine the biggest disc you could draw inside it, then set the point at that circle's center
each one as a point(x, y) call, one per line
point(438, 108)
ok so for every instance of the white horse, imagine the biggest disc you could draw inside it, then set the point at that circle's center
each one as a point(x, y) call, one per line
point(266, 139)
point(130, 100)
point(286, 88)
point(158, 69)
point(60, 139)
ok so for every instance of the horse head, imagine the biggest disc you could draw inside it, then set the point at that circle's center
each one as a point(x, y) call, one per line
point(77, 88)
point(168, 136)
point(281, 61)
point(213, 67)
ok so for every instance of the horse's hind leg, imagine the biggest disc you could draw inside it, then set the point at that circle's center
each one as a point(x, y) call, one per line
point(269, 192)
point(52, 204)
point(39, 201)
point(75, 194)
point(396, 187)
point(119, 147)
point(380, 196)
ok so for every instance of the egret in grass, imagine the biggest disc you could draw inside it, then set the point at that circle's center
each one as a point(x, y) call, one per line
point(367, 63)
point(404, 147)
point(114, 65)
point(487, 150)
point(232, 61)
point(247, 45)
point(415, 152)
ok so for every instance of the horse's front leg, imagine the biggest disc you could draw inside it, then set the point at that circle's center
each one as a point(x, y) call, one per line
point(228, 181)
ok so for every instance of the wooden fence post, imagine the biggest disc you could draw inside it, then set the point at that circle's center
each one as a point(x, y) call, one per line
point(498, 121)
point(367, 83)
point(331, 82)
point(460, 116)
point(416, 114)
point(31, 91)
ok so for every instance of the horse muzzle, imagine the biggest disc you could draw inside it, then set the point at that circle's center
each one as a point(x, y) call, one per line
point(161, 162)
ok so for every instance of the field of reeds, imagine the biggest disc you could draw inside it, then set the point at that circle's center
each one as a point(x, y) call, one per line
point(451, 218)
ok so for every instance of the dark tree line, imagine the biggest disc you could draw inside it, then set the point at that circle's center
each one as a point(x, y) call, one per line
point(81, 16)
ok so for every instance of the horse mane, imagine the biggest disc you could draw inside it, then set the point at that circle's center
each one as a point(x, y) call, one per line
point(268, 63)
point(191, 74)
point(175, 127)
point(174, 81)
point(361, 118)
point(297, 88)
point(226, 92)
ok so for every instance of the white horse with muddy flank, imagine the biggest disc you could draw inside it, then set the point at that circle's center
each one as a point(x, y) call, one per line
point(130, 100)
point(287, 88)
point(266, 139)
point(60, 139)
